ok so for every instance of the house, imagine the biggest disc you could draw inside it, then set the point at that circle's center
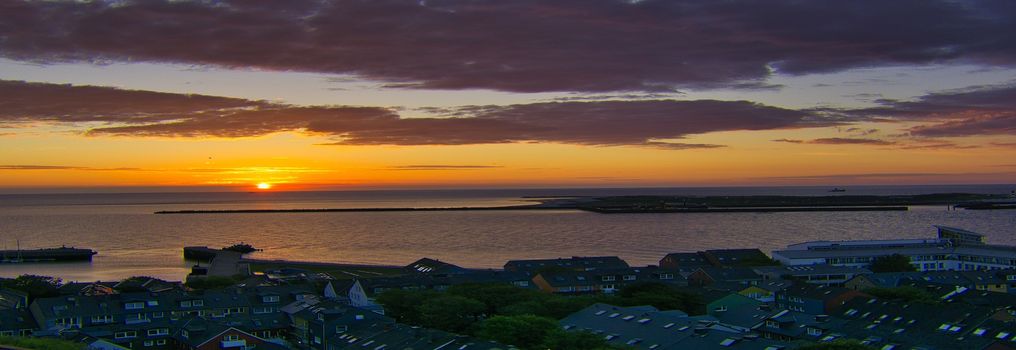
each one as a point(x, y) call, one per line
point(736, 257)
point(716, 258)
point(13, 299)
point(427, 265)
point(815, 274)
point(197, 333)
point(604, 280)
point(880, 280)
point(315, 326)
point(578, 263)
point(353, 295)
point(814, 299)
point(645, 327)
point(689, 261)
point(738, 310)
point(954, 249)
point(377, 285)
point(786, 325)
point(765, 291)
point(905, 325)
point(87, 289)
point(16, 322)
point(383, 336)
point(705, 276)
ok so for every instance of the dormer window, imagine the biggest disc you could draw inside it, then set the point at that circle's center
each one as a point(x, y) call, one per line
point(270, 298)
point(134, 305)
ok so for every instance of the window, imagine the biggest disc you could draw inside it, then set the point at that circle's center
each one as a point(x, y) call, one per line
point(197, 303)
point(160, 342)
point(125, 334)
point(341, 328)
point(629, 277)
point(233, 337)
point(134, 305)
point(186, 303)
point(158, 331)
point(814, 331)
point(102, 319)
point(149, 343)
point(608, 278)
point(159, 314)
point(270, 298)
point(153, 303)
point(666, 276)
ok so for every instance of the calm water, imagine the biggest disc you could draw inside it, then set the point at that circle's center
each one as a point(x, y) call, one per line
point(133, 241)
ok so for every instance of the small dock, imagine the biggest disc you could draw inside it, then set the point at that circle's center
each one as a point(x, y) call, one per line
point(221, 262)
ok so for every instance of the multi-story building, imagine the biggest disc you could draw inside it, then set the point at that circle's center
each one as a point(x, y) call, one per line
point(954, 249)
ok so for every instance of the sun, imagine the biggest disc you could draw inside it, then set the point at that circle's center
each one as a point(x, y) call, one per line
point(264, 186)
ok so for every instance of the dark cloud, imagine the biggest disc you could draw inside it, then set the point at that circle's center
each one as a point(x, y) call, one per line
point(977, 110)
point(39, 102)
point(520, 45)
point(985, 124)
point(647, 123)
point(936, 145)
point(839, 141)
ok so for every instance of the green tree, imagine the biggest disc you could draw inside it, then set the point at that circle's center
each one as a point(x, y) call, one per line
point(892, 263)
point(404, 305)
point(496, 296)
point(661, 296)
point(523, 331)
point(41, 343)
point(36, 286)
point(450, 313)
point(562, 340)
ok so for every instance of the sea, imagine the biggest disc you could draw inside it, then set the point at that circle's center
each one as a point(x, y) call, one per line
point(133, 241)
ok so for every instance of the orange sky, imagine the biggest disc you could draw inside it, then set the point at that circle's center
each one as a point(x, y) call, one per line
point(450, 97)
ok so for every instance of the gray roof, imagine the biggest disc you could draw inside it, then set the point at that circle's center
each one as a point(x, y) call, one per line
point(933, 326)
point(575, 262)
point(810, 270)
point(644, 327)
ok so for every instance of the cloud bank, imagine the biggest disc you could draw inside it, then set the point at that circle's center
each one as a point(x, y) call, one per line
point(519, 45)
point(648, 123)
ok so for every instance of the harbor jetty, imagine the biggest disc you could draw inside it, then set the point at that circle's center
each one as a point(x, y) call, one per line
point(690, 204)
point(46, 254)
